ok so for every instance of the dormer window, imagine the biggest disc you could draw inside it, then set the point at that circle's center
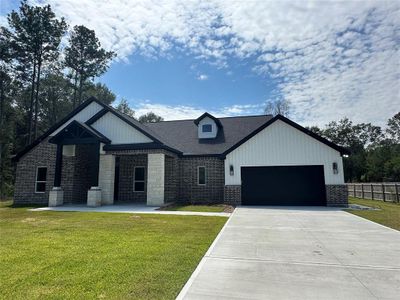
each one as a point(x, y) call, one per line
point(207, 128)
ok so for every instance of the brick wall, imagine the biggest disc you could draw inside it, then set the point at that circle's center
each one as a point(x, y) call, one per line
point(126, 169)
point(43, 155)
point(77, 173)
point(336, 195)
point(190, 191)
point(233, 194)
point(171, 179)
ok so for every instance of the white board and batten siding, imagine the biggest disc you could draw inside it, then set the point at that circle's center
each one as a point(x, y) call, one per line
point(280, 144)
point(82, 116)
point(118, 131)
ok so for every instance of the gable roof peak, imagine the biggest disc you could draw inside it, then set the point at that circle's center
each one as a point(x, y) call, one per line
point(206, 114)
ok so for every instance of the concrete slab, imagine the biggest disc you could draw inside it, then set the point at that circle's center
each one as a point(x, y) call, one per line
point(298, 253)
point(129, 208)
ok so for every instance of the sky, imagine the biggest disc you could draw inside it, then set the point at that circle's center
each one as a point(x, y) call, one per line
point(328, 59)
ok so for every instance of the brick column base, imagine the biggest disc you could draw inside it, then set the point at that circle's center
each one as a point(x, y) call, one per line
point(336, 195)
point(233, 194)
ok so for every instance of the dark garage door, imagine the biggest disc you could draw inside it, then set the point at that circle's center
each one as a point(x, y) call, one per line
point(283, 185)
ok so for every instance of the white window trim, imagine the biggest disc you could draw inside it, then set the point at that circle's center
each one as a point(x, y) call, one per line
point(134, 179)
point(36, 181)
point(198, 175)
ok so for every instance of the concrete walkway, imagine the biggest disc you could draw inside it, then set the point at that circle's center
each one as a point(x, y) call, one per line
point(128, 208)
point(298, 253)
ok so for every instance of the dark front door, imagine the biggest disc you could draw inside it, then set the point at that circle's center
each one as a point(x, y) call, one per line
point(283, 185)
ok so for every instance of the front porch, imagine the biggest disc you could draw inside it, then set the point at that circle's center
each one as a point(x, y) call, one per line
point(86, 173)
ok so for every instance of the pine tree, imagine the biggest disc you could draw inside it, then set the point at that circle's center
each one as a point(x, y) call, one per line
point(85, 57)
point(36, 35)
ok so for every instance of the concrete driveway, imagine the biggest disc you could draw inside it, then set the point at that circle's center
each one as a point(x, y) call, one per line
point(298, 253)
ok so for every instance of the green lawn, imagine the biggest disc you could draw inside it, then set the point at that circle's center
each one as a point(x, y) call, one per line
point(74, 255)
point(389, 215)
point(198, 208)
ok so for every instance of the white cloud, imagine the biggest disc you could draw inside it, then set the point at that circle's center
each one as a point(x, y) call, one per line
point(331, 58)
point(247, 109)
point(181, 112)
point(202, 77)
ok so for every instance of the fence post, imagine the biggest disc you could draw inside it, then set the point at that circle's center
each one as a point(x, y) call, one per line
point(354, 188)
point(372, 191)
point(362, 190)
point(396, 190)
point(383, 193)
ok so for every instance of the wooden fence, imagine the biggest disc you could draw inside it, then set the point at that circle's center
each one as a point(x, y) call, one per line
point(385, 191)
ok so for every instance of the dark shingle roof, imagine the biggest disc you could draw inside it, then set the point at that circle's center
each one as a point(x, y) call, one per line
point(182, 134)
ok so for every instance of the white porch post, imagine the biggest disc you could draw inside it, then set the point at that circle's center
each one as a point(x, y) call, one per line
point(106, 178)
point(155, 179)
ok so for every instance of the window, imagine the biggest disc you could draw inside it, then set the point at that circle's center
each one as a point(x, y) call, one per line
point(201, 175)
point(206, 128)
point(41, 177)
point(138, 179)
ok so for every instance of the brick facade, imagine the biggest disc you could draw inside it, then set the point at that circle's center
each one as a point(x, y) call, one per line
point(127, 164)
point(76, 174)
point(336, 195)
point(171, 179)
point(190, 191)
point(233, 194)
point(180, 178)
point(43, 155)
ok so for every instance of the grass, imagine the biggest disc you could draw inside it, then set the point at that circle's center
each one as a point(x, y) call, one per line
point(388, 215)
point(197, 208)
point(78, 255)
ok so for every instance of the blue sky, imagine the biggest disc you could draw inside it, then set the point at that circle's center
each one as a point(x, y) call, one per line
point(329, 59)
point(184, 80)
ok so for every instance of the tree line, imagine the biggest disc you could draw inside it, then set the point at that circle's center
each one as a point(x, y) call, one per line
point(375, 151)
point(46, 70)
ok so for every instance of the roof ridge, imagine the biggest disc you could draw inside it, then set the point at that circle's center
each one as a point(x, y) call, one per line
point(230, 117)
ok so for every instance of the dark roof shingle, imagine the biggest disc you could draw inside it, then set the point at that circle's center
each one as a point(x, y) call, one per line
point(182, 134)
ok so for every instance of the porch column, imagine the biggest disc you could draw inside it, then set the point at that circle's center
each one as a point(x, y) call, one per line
point(106, 178)
point(56, 195)
point(94, 194)
point(155, 179)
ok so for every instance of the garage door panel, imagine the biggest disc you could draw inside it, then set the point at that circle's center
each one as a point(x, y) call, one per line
point(283, 185)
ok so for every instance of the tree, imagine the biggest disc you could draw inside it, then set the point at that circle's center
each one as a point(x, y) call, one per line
point(5, 87)
point(278, 107)
point(36, 34)
point(383, 163)
point(315, 129)
point(85, 57)
point(55, 95)
point(123, 107)
point(100, 91)
point(393, 128)
point(150, 117)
